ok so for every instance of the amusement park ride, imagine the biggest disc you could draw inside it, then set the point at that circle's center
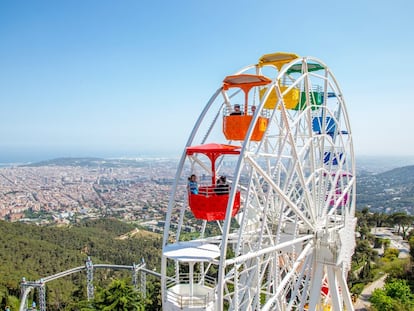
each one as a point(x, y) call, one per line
point(282, 237)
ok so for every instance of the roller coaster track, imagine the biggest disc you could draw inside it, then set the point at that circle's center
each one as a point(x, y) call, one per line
point(28, 286)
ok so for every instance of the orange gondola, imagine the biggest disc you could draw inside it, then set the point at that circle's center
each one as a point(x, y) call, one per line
point(235, 127)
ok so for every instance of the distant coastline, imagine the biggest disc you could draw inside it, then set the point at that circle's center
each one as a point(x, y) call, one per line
point(10, 159)
point(17, 158)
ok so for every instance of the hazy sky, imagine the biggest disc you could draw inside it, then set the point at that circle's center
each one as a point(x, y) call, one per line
point(98, 77)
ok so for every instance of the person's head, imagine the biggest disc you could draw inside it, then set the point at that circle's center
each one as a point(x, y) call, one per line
point(222, 179)
point(193, 177)
point(253, 108)
point(236, 107)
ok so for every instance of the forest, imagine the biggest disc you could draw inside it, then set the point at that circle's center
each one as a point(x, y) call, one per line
point(33, 252)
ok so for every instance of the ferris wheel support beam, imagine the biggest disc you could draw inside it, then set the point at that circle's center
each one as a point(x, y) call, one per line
point(333, 289)
point(345, 290)
point(316, 286)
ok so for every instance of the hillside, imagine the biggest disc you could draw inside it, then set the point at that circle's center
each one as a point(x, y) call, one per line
point(34, 252)
point(388, 192)
point(398, 176)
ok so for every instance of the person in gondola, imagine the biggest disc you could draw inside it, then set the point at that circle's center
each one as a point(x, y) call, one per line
point(236, 111)
point(192, 185)
point(222, 187)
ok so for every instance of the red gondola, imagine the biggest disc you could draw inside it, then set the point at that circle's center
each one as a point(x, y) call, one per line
point(208, 204)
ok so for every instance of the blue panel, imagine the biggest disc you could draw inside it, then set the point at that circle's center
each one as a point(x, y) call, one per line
point(330, 157)
point(330, 125)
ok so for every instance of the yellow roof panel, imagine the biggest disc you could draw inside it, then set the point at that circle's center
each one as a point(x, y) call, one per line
point(277, 59)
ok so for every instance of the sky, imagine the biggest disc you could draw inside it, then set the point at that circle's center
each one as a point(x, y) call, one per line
point(130, 77)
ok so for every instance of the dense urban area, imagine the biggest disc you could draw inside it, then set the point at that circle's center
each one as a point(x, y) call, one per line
point(137, 190)
point(63, 190)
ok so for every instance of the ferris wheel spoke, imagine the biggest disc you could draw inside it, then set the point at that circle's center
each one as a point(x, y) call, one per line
point(293, 275)
point(280, 192)
point(299, 293)
point(316, 285)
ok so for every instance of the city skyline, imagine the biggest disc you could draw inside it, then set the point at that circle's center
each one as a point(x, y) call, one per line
point(107, 79)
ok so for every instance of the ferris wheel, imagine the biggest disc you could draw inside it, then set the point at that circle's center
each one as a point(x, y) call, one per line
point(280, 234)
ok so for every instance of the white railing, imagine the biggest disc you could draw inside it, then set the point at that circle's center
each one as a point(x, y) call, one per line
point(199, 295)
point(198, 278)
point(195, 301)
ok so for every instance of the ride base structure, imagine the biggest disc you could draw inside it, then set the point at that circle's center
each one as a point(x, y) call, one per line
point(281, 234)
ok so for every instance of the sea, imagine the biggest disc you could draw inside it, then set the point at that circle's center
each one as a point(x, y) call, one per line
point(9, 158)
point(16, 158)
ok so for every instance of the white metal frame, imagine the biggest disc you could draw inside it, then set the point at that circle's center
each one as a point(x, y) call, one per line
point(294, 235)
